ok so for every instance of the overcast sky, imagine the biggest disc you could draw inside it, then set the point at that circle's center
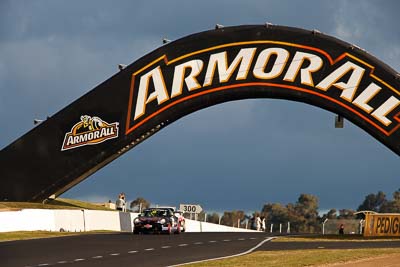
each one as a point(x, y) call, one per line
point(237, 155)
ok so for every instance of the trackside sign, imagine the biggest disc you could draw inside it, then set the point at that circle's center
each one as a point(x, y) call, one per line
point(382, 225)
point(190, 208)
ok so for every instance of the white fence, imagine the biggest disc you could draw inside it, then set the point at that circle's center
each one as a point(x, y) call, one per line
point(87, 220)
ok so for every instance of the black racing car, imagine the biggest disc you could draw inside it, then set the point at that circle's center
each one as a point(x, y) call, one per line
point(156, 220)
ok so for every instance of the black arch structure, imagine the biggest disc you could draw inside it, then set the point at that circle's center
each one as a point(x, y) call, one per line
point(63, 150)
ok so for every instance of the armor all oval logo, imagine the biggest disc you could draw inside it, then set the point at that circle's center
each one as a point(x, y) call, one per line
point(89, 131)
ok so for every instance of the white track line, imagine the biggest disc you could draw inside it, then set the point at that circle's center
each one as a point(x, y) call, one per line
point(97, 257)
point(227, 257)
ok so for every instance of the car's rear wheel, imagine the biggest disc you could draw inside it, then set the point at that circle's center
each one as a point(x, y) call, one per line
point(178, 229)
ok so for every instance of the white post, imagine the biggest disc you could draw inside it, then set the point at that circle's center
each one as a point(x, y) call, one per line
point(84, 221)
point(247, 223)
point(272, 225)
point(140, 207)
point(323, 226)
point(238, 223)
point(288, 228)
point(280, 228)
point(361, 226)
point(219, 219)
point(205, 217)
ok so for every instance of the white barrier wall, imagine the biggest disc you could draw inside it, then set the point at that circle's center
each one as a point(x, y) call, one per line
point(102, 220)
point(109, 220)
point(70, 220)
point(87, 220)
point(67, 220)
point(27, 220)
point(197, 226)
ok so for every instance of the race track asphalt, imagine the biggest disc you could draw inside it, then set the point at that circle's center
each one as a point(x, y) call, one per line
point(125, 249)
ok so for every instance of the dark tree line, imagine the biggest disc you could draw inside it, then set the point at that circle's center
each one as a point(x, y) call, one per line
point(379, 203)
point(302, 215)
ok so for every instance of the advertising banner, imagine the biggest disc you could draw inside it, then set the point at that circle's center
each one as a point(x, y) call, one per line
point(382, 225)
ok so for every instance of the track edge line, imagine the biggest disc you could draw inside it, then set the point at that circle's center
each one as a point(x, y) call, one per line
point(226, 257)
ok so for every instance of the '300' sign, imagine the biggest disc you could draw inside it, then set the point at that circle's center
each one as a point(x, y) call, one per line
point(190, 208)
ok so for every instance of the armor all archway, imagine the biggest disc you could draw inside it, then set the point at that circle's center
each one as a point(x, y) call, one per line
point(192, 73)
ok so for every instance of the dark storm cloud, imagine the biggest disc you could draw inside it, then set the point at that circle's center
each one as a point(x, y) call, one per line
point(235, 155)
point(372, 26)
point(54, 51)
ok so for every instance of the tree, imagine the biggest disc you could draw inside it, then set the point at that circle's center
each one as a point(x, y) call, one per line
point(392, 206)
point(303, 216)
point(201, 216)
point(373, 202)
point(307, 207)
point(230, 218)
point(396, 195)
point(331, 214)
point(213, 218)
point(346, 214)
point(139, 203)
point(275, 213)
point(297, 220)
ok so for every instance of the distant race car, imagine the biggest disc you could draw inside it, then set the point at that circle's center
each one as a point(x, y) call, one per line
point(179, 215)
point(157, 220)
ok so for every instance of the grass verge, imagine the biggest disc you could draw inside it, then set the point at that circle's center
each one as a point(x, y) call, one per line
point(333, 238)
point(296, 258)
point(24, 235)
point(59, 203)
